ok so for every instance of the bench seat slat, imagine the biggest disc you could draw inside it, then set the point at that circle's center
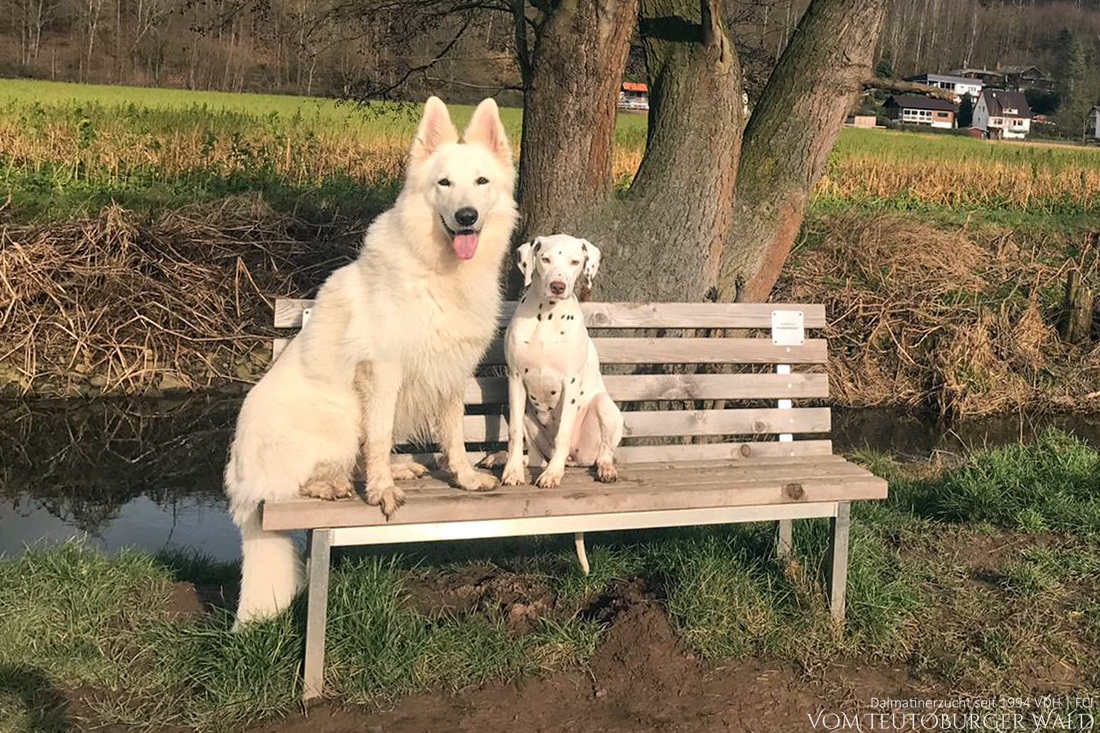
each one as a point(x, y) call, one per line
point(288, 314)
point(581, 494)
point(649, 387)
point(653, 424)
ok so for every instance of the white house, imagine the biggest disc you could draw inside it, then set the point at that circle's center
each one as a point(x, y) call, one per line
point(1095, 122)
point(960, 86)
point(1001, 114)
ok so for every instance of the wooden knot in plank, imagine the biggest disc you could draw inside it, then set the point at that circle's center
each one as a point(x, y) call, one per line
point(794, 491)
point(746, 451)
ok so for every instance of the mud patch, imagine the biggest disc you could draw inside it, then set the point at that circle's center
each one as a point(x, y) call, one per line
point(522, 599)
point(639, 680)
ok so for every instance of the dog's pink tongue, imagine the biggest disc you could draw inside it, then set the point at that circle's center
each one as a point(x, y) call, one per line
point(465, 245)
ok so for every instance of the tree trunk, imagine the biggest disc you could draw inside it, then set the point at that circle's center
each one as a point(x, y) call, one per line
point(709, 213)
point(790, 134)
point(569, 111)
point(675, 218)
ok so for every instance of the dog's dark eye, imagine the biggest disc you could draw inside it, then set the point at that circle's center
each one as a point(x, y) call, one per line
point(482, 181)
point(546, 260)
point(444, 182)
point(574, 263)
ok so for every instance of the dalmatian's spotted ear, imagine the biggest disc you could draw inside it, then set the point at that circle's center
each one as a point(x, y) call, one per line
point(591, 261)
point(525, 260)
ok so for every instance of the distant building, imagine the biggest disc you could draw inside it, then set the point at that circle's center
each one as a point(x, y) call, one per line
point(1002, 114)
point(959, 86)
point(1011, 78)
point(1027, 77)
point(633, 97)
point(914, 110)
point(1095, 117)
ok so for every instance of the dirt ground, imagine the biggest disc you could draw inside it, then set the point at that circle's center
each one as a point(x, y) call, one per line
point(640, 679)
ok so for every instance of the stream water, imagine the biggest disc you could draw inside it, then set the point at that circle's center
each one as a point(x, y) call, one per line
point(147, 473)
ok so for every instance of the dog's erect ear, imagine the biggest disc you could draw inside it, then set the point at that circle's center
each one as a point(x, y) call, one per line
point(435, 129)
point(591, 260)
point(486, 129)
point(525, 261)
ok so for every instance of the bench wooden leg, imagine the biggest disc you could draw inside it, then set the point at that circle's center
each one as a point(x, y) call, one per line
point(320, 553)
point(838, 560)
point(784, 539)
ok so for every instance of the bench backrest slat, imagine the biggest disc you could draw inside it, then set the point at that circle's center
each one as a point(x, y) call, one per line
point(288, 314)
point(670, 423)
point(654, 387)
point(683, 351)
point(671, 415)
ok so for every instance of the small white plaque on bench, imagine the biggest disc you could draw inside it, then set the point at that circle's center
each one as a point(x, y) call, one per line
point(788, 328)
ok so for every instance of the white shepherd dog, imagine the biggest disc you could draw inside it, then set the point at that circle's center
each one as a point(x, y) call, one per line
point(386, 354)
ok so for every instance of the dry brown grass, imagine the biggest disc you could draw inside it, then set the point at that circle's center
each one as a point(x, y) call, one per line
point(119, 305)
point(942, 181)
point(950, 320)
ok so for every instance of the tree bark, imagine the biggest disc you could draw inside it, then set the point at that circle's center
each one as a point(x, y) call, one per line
point(790, 134)
point(569, 111)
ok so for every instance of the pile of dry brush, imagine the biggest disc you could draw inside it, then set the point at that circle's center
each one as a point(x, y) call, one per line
point(121, 305)
point(960, 321)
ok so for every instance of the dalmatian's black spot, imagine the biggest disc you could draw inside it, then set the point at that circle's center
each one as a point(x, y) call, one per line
point(538, 316)
point(563, 333)
point(549, 316)
point(573, 401)
point(574, 380)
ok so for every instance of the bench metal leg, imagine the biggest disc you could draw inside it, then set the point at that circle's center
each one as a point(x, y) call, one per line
point(320, 553)
point(784, 539)
point(838, 560)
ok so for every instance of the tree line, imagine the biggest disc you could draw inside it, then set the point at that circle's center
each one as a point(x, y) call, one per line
point(465, 49)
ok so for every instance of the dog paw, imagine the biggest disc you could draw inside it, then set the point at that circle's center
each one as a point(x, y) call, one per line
point(386, 496)
point(407, 470)
point(549, 479)
point(476, 481)
point(328, 488)
point(514, 476)
point(607, 473)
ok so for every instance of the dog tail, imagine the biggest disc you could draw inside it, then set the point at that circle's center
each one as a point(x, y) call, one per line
point(271, 571)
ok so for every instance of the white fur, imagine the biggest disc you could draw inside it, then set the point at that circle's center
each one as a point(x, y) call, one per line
point(556, 394)
point(385, 356)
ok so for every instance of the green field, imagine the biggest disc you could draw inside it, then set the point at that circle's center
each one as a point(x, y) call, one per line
point(68, 149)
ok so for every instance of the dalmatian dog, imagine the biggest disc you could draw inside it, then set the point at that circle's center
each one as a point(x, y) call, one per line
point(556, 395)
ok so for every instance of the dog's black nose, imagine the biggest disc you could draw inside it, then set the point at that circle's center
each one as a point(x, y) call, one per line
point(557, 287)
point(466, 216)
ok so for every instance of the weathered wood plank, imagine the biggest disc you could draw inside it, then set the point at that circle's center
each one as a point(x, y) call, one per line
point(678, 351)
point(704, 451)
point(648, 387)
point(680, 452)
point(692, 351)
point(653, 424)
point(288, 314)
point(576, 497)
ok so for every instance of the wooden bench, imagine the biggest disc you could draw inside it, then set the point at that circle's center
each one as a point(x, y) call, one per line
point(688, 458)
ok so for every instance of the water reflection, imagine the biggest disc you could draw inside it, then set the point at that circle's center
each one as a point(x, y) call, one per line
point(147, 473)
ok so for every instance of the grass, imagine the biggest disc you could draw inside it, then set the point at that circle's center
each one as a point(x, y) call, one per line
point(68, 149)
point(972, 576)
